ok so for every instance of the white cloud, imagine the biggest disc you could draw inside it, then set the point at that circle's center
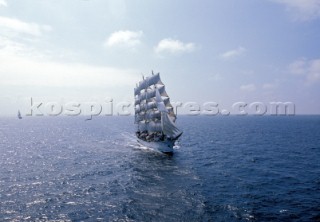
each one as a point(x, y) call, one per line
point(314, 71)
point(271, 85)
point(23, 66)
point(124, 38)
point(29, 72)
point(174, 46)
point(3, 3)
point(18, 26)
point(233, 53)
point(10, 47)
point(298, 67)
point(248, 88)
point(308, 68)
point(302, 10)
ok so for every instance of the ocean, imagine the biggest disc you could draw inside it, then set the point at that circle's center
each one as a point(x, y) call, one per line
point(225, 168)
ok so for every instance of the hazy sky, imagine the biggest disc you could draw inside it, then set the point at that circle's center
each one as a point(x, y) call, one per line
point(220, 51)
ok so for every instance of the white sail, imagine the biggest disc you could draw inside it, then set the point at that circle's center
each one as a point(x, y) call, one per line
point(138, 118)
point(168, 127)
point(149, 81)
point(154, 126)
point(145, 106)
point(150, 126)
point(142, 126)
point(153, 115)
point(160, 104)
point(165, 107)
point(149, 116)
point(152, 105)
point(148, 94)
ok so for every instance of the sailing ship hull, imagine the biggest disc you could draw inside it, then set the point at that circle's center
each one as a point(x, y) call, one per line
point(162, 146)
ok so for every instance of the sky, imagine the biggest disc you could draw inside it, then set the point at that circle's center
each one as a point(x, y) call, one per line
point(206, 51)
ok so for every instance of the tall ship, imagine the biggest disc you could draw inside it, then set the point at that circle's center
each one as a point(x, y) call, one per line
point(154, 115)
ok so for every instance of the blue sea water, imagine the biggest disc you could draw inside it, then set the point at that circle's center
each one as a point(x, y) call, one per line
point(225, 169)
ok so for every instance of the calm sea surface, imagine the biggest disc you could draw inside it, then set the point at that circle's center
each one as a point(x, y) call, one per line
point(225, 169)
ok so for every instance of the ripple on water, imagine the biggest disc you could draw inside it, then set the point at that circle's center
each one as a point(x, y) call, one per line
point(225, 169)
